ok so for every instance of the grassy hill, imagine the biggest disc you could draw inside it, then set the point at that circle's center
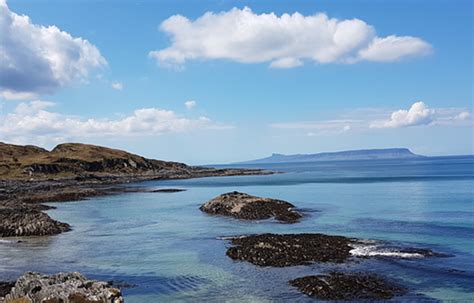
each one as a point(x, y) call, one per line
point(75, 159)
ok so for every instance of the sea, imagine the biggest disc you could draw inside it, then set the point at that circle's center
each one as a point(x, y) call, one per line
point(161, 248)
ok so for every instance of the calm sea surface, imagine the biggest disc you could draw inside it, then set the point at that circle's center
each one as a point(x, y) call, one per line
point(173, 253)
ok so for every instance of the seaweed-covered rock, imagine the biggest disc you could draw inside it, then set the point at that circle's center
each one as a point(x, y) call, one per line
point(16, 222)
point(62, 287)
point(290, 249)
point(341, 286)
point(248, 207)
point(5, 288)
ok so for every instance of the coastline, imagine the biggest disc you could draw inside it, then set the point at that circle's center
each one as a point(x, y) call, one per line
point(21, 201)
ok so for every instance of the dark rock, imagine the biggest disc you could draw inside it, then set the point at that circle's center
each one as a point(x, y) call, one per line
point(244, 206)
point(16, 222)
point(121, 284)
point(5, 288)
point(291, 249)
point(341, 286)
point(168, 190)
point(62, 287)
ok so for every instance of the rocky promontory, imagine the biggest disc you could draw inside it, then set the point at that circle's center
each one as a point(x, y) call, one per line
point(248, 207)
point(63, 287)
point(348, 286)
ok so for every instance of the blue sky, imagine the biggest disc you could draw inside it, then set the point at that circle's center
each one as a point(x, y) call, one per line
point(400, 75)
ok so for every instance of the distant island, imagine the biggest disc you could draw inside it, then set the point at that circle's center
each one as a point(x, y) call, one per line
point(361, 154)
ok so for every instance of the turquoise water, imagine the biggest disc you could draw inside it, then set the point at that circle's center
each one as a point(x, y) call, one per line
point(173, 253)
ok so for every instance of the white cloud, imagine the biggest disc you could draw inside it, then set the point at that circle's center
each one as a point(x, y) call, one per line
point(285, 41)
point(286, 63)
point(35, 121)
point(12, 95)
point(37, 59)
point(393, 48)
point(418, 114)
point(117, 86)
point(190, 104)
point(463, 116)
point(322, 127)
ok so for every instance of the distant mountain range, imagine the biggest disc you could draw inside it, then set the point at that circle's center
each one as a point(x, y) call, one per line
point(362, 154)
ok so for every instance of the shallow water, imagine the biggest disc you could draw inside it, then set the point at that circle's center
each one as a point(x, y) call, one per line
point(162, 242)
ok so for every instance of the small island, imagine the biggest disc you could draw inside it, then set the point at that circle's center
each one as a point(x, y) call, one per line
point(248, 207)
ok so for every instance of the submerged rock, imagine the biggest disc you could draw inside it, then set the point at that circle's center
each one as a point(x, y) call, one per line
point(290, 249)
point(62, 287)
point(168, 190)
point(341, 286)
point(244, 206)
point(16, 222)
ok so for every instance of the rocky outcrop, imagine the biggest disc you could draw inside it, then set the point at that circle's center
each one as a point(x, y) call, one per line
point(16, 222)
point(62, 287)
point(341, 286)
point(244, 206)
point(290, 249)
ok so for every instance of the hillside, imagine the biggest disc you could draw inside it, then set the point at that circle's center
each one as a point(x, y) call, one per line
point(83, 160)
point(363, 154)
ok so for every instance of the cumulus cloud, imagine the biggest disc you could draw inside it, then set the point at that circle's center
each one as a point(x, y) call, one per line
point(117, 85)
point(190, 104)
point(418, 114)
point(36, 59)
point(33, 121)
point(285, 41)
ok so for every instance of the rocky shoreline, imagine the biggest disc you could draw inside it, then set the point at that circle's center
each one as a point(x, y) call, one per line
point(21, 201)
point(30, 175)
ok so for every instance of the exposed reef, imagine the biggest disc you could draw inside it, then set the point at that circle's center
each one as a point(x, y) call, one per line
point(281, 250)
point(290, 249)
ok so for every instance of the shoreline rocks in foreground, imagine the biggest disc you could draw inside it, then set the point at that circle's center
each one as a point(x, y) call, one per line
point(62, 287)
point(248, 207)
point(348, 286)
